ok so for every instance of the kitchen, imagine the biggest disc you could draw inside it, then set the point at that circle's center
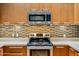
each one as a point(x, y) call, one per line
point(39, 29)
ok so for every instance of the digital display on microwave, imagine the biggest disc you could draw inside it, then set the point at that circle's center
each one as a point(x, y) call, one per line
point(36, 17)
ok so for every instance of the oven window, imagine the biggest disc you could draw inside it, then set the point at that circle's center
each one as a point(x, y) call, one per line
point(36, 17)
point(39, 52)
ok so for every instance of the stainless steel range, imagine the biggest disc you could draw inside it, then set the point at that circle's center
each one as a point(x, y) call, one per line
point(40, 42)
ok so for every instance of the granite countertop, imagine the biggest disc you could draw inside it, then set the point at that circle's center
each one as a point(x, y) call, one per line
point(13, 41)
point(74, 43)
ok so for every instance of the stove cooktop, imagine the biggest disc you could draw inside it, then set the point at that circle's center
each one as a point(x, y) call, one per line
point(39, 42)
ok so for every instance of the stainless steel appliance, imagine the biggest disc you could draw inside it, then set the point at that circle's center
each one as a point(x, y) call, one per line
point(40, 52)
point(39, 17)
point(40, 43)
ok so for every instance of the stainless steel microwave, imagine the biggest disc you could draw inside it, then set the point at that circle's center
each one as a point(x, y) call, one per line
point(39, 17)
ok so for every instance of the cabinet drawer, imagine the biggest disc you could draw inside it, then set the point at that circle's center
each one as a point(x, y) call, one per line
point(59, 47)
point(14, 54)
point(60, 50)
point(14, 49)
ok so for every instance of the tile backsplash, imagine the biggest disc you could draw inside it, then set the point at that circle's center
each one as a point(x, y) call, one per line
point(22, 30)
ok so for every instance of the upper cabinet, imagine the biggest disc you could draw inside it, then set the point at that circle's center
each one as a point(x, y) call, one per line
point(76, 13)
point(62, 13)
point(0, 14)
point(66, 13)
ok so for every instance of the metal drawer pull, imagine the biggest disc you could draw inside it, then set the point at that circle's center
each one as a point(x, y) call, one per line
point(59, 47)
point(15, 47)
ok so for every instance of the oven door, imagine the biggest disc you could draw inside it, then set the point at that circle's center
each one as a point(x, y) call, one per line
point(39, 52)
point(36, 17)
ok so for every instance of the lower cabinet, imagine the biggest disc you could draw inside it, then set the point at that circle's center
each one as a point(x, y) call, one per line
point(77, 54)
point(73, 52)
point(14, 54)
point(1, 51)
point(61, 50)
point(58, 50)
point(14, 51)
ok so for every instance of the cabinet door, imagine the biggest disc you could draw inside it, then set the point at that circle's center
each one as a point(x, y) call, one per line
point(1, 51)
point(66, 13)
point(71, 52)
point(77, 54)
point(38, 52)
point(63, 13)
point(15, 50)
point(76, 13)
point(60, 50)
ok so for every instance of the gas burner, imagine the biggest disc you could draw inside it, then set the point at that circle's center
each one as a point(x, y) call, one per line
point(39, 42)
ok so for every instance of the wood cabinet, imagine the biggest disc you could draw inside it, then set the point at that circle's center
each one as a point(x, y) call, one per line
point(1, 51)
point(77, 53)
point(14, 51)
point(64, 14)
point(73, 52)
point(67, 14)
point(60, 50)
point(76, 13)
point(14, 13)
point(61, 13)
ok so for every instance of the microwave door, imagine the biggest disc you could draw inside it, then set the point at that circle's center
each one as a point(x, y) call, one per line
point(37, 18)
